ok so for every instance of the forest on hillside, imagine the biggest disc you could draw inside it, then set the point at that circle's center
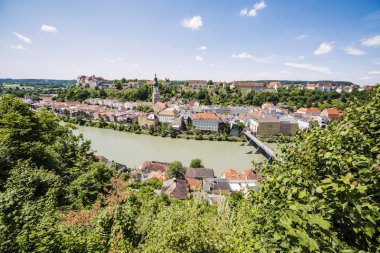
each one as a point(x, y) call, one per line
point(322, 196)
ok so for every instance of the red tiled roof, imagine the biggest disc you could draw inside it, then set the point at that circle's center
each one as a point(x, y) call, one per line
point(251, 174)
point(194, 184)
point(274, 83)
point(205, 116)
point(154, 166)
point(324, 84)
point(251, 84)
point(313, 110)
point(168, 112)
point(332, 111)
point(231, 174)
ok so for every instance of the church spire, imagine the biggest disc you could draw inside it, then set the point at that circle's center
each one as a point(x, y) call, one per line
point(155, 80)
point(156, 93)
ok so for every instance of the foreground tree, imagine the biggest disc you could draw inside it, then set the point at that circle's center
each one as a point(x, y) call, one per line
point(324, 194)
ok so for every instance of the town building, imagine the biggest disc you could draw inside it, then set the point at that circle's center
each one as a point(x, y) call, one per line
point(178, 123)
point(275, 85)
point(199, 173)
point(309, 111)
point(197, 83)
point(304, 124)
point(168, 115)
point(159, 106)
point(248, 85)
point(244, 185)
point(91, 82)
point(175, 188)
point(147, 121)
point(323, 86)
point(288, 126)
point(331, 113)
point(206, 121)
point(365, 87)
point(248, 174)
point(216, 186)
point(265, 126)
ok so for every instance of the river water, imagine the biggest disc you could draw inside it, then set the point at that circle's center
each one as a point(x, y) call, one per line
point(133, 149)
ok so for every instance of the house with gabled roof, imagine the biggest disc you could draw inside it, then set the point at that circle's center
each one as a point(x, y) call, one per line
point(175, 188)
point(331, 113)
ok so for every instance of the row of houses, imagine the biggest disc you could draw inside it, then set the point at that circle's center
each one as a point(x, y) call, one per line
point(268, 120)
point(198, 180)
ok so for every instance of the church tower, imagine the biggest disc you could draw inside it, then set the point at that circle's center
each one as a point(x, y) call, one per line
point(156, 93)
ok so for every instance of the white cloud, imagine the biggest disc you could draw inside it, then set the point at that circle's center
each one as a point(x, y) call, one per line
point(354, 51)
point(364, 78)
point(324, 48)
point(194, 23)
point(245, 55)
point(301, 36)
point(301, 57)
point(376, 61)
point(211, 65)
point(374, 72)
point(374, 41)
point(109, 60)
point(22, 37)
point(309, 66)
point(202, 48)
point(136, 65)
point(112, 60)
point(48, 28)
point(253, 11)
point(242, 55)
point(199, 58)
point(18, 47)
point(180, 66)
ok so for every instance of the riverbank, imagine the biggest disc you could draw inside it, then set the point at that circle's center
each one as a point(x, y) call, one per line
point(135, 129)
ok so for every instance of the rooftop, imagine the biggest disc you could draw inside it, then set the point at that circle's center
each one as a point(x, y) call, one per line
point(205, 116)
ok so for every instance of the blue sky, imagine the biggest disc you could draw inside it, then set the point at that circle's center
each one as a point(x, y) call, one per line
point(192, 39)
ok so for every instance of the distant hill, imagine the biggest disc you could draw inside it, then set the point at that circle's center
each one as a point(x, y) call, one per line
point(38, 83)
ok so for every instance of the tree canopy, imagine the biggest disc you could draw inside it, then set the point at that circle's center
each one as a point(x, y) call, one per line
point(176, 170)
point(196, 163)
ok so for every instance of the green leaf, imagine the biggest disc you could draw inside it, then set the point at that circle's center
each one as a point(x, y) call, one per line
point(318, 220)
point(302, 194)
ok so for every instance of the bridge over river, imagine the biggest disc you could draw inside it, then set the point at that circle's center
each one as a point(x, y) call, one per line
point(261, 147)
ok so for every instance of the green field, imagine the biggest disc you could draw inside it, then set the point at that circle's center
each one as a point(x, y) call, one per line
point(21, 87)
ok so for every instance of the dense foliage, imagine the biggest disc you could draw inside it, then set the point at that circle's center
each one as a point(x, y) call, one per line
point(218, 96)
point(43, 166)
point(39, 83)
point(322, 196)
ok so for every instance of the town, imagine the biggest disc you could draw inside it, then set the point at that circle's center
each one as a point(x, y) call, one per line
point(181, 118)
point(191, 118)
